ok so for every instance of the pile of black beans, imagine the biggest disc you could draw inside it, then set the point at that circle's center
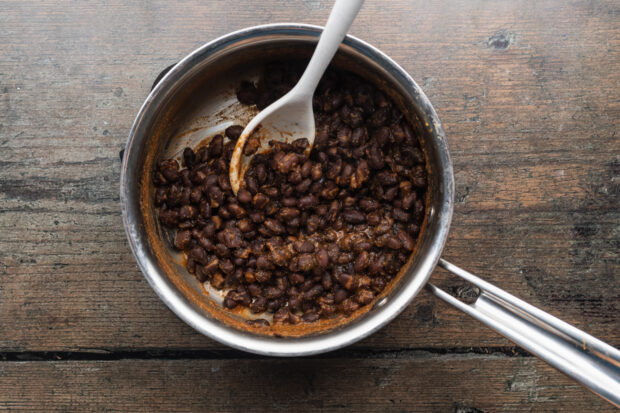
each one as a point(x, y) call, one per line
point(307, 237)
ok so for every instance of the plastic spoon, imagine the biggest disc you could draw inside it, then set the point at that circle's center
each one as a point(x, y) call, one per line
point(291, 117)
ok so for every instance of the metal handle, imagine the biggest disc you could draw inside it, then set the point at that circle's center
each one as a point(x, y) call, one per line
point(577, 354)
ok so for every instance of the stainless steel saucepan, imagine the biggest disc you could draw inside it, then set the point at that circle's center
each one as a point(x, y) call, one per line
point(195, 99)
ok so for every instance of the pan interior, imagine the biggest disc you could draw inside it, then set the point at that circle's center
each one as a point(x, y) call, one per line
point(202, 102)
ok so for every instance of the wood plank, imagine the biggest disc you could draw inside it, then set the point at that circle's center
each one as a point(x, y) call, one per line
point(531, 109)
point(422, 383)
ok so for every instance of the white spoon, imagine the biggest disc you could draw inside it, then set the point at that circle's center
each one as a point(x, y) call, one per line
point(291, 117)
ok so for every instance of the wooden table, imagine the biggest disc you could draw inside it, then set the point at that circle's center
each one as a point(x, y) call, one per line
point(529, 96)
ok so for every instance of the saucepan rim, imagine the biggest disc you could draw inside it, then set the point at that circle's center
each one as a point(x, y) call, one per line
point(440, 211)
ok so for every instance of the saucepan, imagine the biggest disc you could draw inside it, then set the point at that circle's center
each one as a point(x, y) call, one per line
point(195, 100)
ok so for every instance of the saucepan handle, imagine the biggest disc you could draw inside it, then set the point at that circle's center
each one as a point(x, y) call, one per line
point(577, 354)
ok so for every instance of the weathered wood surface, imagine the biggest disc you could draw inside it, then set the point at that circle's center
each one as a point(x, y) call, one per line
point(498, 384)
point(528, 93)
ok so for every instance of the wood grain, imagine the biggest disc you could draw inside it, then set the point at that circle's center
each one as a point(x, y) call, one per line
point(528, 93)
point(421, 384)
point(531, 110)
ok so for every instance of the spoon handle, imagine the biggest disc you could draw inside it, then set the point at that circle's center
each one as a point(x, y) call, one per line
point(340, 19)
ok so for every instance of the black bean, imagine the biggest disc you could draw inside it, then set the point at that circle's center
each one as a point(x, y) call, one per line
point(362, 261)
point(346, 280)
point(305, 262)
point(247, 94)
point(274, 226)
point(198, 254)
point(233, 132)
point(262, 263)
point(251, 146)
point(260, 201)
point(216, 146)
point(393, 242)
point(221, 250)
point(326, 281)
point(282, 315)
point(226, 266)
point(362, 173)
point(303, 246)
point(340, 295)
point(408, 200)
point(300, 145)
point(262, 276)
point(406, 240)
point(306, 169)
point(400, 215)
point(358, 136)
point(310, 317)
point(303, 186)
point(230, 303)
point(387, 178)
point(273, 305)
point(390, 193)
point(182, 239)
point(257, 217)
point(348, 306)
point(216, 196)
point(344, 135)
point(317, 172)
point(254, 289)
point(187, 212)
point(379, 118)
point(296, 278)
point(364, 296)
point(313, 292)
point(259, 305)
point(273, 292)
point(287, 162)
point(210, 180)
point(375, 157)
point(313, 223)
point(308, 201)
point(353, 216)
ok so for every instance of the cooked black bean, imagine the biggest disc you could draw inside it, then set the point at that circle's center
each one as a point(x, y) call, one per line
point(233, 132)
point(287, 162)
point(259, 305)
point(305, 262)
point(313, 292)
point(353, 216)
point(348, 306)
point(322, 258)
point(340, 295)
point(303, 246)
point(308, 201)
point(364, 296)
point(400, 215)
point(216, 146)
point(346, 280)
point(310, 317)
point(310, 235)
point(260, 201)
point(221, 250)
point(182, 239)
point(251, 146)
point(198, 254)
point(406, 240)
point(274, 226)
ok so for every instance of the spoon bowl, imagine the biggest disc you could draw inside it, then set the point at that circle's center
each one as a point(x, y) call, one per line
point(289, 118)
